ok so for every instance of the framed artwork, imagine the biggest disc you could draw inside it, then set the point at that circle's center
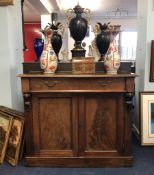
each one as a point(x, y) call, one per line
point(15, 139)
point(6, 2)
point(16, 135)
point(152, 62)
point(5, 127)
point(147, 118)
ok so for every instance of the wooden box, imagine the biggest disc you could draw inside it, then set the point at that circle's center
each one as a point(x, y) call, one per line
point(6, 2)
point(83, 65)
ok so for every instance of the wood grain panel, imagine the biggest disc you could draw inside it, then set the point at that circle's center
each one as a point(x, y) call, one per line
point(84, 162)
point(55, 123)
point(52, 84)
point(25, 85)
point(130, 85)
point(101, 122)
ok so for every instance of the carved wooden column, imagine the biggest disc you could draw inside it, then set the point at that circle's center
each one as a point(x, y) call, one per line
point(27, 101)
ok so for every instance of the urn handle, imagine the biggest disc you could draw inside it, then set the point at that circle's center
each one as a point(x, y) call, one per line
point(88, 15)
point(50, 83)
point(68, 14)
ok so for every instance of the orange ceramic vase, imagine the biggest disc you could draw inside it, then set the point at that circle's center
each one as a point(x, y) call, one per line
point(112, 59)
point(48, 60)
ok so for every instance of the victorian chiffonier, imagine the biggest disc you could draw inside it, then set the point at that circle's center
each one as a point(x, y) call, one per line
point(78, 120)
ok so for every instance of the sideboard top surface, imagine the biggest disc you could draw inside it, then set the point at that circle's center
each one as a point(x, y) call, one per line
point(60, 75)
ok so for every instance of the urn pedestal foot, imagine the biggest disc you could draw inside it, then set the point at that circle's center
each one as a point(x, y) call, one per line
point(78, 53)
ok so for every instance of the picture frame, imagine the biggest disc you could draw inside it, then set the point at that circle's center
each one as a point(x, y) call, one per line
point(5, 128)
point(16, 141)
point(6, 2)
point(152, 62)
point(147, 118)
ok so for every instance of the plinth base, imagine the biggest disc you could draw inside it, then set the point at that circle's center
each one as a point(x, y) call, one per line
point(78, 162)
point(78, 53)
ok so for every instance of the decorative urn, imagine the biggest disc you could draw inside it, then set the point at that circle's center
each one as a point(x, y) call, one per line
point(78, 26)
point(58, 31)
point(103, 38)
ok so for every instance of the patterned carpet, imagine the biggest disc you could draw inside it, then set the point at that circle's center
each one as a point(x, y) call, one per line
point(143, 165)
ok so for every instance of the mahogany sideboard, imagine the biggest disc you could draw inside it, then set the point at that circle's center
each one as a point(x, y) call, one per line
point(78, 120)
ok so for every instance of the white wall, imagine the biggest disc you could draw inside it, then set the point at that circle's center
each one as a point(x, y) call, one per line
point(145, 35)
point(11, 52)
point(148, 86)
point(127, 24)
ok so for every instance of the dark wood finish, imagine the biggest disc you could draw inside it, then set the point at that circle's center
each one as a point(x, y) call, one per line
point(53, 124)
point(78, 120)
point(101, 125)
point(152, 62)
point(69, 75)
point(83, 162)
point(30, 67)
point(48, 84)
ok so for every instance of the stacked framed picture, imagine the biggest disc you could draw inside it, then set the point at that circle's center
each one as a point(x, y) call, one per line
point(11, 135)
point(147, 118)
point(5, 128)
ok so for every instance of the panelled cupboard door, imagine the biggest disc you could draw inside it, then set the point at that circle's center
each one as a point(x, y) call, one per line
point(101, 125)
point(55, 124)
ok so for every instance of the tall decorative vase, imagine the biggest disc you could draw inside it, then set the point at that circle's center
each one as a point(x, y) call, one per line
point(38, 48)
point(48, 60)
point(58, 32)
point(78, 26)
point(102, 39)
point(56, 41)
point(112, 58)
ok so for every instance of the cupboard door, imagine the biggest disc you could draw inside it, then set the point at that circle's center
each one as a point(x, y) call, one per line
point(101, 125)
point(55, 124)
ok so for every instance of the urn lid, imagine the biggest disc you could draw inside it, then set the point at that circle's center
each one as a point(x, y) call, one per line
point(78, 9)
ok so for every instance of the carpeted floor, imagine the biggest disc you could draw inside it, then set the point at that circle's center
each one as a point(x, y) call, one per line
point(143, 165)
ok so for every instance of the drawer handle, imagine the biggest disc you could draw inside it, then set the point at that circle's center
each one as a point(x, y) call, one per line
point(50, 83)
point(102, 83)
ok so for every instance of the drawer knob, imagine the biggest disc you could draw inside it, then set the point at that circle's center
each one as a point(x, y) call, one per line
point(50, 83)
point(104, 83)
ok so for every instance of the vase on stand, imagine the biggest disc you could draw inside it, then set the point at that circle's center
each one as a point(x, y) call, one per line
point(112, 57)
point(58, 32)
point(102, 39)
point(78, 26)
point(48, 60)
point(38, 48)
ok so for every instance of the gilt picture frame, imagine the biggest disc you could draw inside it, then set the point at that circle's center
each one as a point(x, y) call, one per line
point(14, 146)
point(5, 128)
point(147, 118)
point(15, 140)
point(6, 2)
point(152, 62)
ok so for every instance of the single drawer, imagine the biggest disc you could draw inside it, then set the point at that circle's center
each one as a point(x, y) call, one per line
point(78, 84)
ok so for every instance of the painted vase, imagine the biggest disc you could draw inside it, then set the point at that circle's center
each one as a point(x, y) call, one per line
point(48, 60)
point(112, 59)
point(38, 48)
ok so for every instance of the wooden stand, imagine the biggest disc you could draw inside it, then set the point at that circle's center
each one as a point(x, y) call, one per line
point(78, 120)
